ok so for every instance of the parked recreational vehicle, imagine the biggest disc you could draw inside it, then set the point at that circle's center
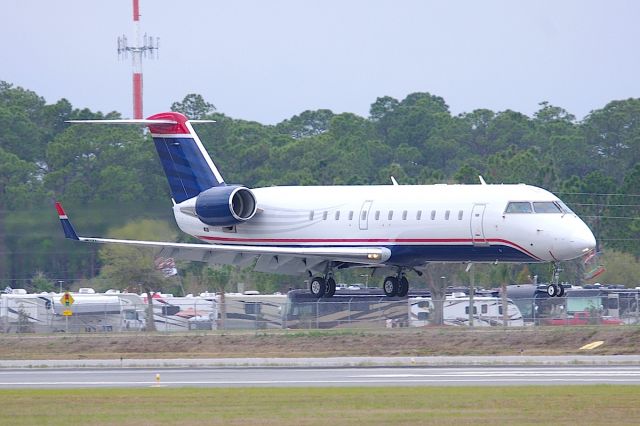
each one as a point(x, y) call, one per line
point(487, 311)
point(182, 313)
point(603, 303)
point(41, 313)
point(368, 307)
point(252, 310)
point(25, 313)
point(90, 312)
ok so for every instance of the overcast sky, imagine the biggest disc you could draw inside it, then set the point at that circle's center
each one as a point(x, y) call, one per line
point(267, 60)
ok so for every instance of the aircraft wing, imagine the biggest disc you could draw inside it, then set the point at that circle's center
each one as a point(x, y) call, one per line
point(275, 259)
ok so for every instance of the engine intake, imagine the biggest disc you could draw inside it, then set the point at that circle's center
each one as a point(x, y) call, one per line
point(225, 205)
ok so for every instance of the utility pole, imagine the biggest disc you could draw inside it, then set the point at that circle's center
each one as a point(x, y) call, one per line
point(140, 48)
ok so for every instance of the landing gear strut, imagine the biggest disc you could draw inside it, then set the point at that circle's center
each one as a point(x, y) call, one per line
point(555, 289)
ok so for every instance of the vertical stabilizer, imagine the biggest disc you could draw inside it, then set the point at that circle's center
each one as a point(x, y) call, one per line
point(186, 163)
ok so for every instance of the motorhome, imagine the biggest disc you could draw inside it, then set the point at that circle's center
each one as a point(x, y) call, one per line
point(25, 313)
point(252, 310)
point(487, 311)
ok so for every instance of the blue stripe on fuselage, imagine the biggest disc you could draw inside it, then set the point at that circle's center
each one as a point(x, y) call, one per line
point(186, 169)
point(410, 255)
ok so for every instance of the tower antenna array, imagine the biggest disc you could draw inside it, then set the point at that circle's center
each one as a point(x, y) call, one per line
point(142, 47)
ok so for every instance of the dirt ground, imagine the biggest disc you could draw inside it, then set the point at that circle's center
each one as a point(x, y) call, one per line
point(314, 343)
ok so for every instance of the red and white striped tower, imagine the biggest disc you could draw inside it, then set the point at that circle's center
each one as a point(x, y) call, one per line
point(138, 51)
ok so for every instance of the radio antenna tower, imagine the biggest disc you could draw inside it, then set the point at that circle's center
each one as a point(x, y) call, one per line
point(140, 49)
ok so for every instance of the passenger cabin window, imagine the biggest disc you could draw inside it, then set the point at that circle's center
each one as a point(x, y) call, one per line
point(311, 215)
point(446, 215)
point(364, 215)
point(390, 214)
point(338, 215)
point(419, 215)
point(324, 215)
point(433, 215)
point(460, 214)
point(485, 309)
point(546, 207)
point(377, 214)
point(351, 215)
point(404, 215)
point(519, 207)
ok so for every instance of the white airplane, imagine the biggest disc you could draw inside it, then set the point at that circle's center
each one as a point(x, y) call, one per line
point(316, 230)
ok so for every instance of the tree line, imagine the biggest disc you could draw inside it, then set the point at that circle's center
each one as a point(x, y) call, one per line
point(109, 176)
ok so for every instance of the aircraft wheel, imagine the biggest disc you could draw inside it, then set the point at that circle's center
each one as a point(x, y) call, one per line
point(331, 287)
point(552, 290)
point(318, 287)
point(403, 286)
point(390, 286)
point(560, 290)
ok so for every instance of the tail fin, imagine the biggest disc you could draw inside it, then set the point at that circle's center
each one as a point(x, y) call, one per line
point(186, 163)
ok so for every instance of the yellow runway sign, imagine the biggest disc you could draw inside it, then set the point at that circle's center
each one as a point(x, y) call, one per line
point(67, 299)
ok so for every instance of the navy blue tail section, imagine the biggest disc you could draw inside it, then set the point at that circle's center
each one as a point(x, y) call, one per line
point(187, 171)
point(186, 163)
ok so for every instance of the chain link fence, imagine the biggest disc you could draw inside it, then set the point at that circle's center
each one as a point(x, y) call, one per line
point(27, 313)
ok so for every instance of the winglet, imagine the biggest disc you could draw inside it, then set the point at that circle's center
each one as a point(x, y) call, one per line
point(69, 232)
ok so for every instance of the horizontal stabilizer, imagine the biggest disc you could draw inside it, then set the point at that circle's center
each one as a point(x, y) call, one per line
point(142, 121)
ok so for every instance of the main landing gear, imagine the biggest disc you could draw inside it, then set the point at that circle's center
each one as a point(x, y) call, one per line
point(555, 289)
point(396, 286)
point(323, 286)
point(393, 286)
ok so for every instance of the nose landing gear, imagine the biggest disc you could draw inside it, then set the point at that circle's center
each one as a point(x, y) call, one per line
point(555, 289)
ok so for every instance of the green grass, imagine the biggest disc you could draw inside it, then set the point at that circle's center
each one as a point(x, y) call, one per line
point(585, 405)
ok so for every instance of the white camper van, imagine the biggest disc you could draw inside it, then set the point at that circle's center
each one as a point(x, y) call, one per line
point(487, 311)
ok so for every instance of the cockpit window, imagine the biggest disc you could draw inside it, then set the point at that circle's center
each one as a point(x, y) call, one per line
point(564, 207)
point(519, 207)
point(546, 207)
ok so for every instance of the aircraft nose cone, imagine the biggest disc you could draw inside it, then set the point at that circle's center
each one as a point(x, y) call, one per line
point(583, 241)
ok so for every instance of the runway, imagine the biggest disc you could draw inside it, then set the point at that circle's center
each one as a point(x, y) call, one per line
point(317, 377)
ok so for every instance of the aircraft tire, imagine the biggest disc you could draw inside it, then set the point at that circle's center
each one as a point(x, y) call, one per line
point(390, 286)
point(331, 287)
point(552, 290)
point(318, 287)
point(403, 287)
point(560, 290)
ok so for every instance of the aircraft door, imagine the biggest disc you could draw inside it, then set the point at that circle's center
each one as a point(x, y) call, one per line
point(364, 215)
point(477, 228)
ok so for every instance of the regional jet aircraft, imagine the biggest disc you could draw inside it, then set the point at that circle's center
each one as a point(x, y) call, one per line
point(316, 230)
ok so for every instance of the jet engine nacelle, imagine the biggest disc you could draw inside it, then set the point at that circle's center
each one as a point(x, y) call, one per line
point(225, 205)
